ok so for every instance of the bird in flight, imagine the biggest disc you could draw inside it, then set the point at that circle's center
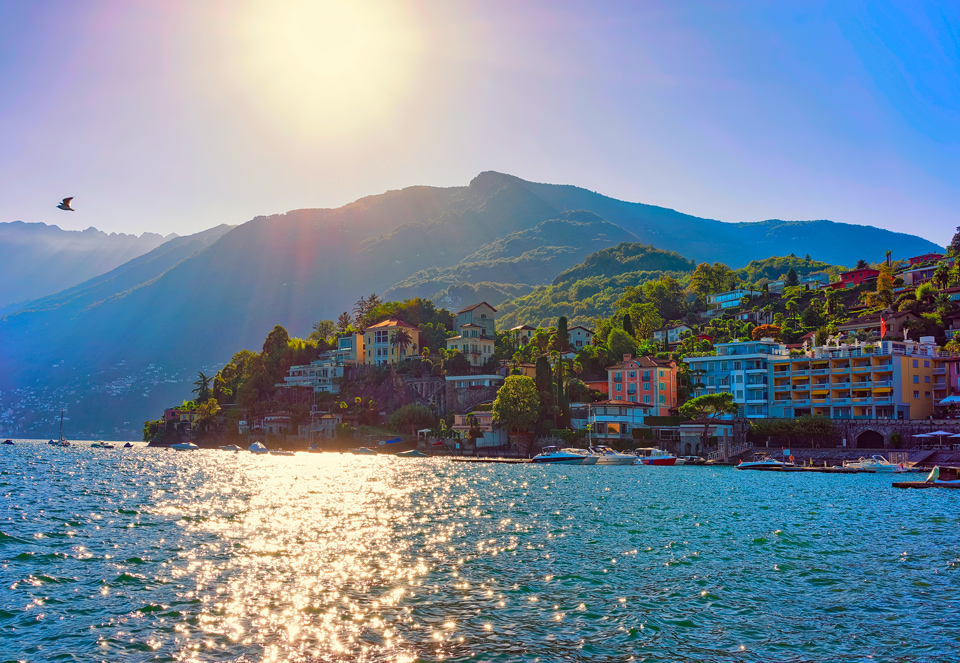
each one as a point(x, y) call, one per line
point(65, 205)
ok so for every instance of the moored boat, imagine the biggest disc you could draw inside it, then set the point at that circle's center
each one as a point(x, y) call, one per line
point(875, 463)
point(654, 456)
point(281, 452)
point(764, 462)
point(229, 447)
point(184, 446)
point(556, 456)
point(363, 451)
point(588, 458)
point(257, 448)
point(607, 456)
point(412, 453)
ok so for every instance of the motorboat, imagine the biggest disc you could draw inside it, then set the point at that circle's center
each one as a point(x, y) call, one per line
point(654, 456)
point(8, 441)
point(763, 462)
point(257, 448)
point(363, 451)
point(100, 444)
point(607, 456)
point(315, 448)
point(588, 458)
point(280, 452)
point(184, 446)
point(229, 447)
point(128, 445)
point(412, 453)
point(556, 456)
point(875, 463)
point(694, 460)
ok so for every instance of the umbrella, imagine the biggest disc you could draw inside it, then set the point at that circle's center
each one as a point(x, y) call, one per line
point(950, 400)
point(957, 435)
point(923, 435)
point(940, 432)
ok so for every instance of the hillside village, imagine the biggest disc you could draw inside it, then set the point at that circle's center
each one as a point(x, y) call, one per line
point(695, 362)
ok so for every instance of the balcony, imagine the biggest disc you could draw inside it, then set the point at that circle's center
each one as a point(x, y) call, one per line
point(821, 371)
point(800, 401)
point(801, 372)
point(820, 401)
point(881, 384)
point(861, 369)
point(841, 401)
point(864, 384)
point(756, 370)
point(862, 401)
point(756, 401)
point(802, 387)
point(883, 401)
point(781, 387)
point(940, 371)
point(884, 366)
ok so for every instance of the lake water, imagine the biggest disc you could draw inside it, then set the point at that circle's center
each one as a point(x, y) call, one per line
point(154, 555)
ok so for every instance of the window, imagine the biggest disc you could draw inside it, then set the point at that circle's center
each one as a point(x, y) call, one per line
point(646, 386)
point(646, 398)
point(740, 394)
point(916, 364)
point(736, 366)
point(633, 399)
point(916, 379)
point(926, 378)
point(739, 379)
point(926, 364)
point(663, 387)
point(723, 366)
point(663, 398)
point(633, 374)
point(646, 376)
point(926, 394)
point(619, 387)
point(916, 394)
point(661, 373)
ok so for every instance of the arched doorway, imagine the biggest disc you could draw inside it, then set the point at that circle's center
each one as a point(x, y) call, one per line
point(870, 439)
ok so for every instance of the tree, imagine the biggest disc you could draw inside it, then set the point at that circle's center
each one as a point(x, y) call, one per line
point(150, 429)
point(343, 322)
point(954, 247)
point(887, 254)
point(708, 408)
point(862, 264)
point(517, 406)
point(885, 286)
point(709, 279)
point(544, 384)
point(942, 275)
point(645, 320)
point(812, 314)
point(766, 331)
point(627, 324)
point(620, 344)
point(206, 415)
point(792, 278)
point(667, 295)
point(834, 300)
point(401, 340)
point(323, 329)
point(202, 387)
point(410, 418)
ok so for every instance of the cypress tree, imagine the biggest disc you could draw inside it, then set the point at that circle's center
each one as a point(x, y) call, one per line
point(628, 325)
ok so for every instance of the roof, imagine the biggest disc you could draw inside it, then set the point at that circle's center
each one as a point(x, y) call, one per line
point(620, 403)
point(524, 328)
point(470, 324)
point(862, 269)
point(644, 362)
point(589, 331)
point(470, 308)
point(390, 322)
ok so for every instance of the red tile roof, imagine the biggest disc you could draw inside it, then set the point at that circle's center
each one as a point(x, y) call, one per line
point(391, 322)
point(470, 308)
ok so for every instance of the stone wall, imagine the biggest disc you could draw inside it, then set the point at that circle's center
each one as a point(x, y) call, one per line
point(867, 433)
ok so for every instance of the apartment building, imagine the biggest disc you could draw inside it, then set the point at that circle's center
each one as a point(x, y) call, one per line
point(651, 383)
point(724, 301)
point(378, 343)
point(889, 380)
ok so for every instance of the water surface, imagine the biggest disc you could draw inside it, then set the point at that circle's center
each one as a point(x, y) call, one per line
point(154, 555)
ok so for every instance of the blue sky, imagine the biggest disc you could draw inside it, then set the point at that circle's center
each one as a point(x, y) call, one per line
point(178, 116)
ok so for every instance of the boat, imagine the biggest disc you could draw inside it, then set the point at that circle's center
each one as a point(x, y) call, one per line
point(280, 452)
point(556, 456)
point(100, 444)
point(654, 456)
point(588, 458)
point(184, 446)
point(230, 447)
point(395, 446)
point(607, 456)
point(257, 448)
point(8, 441)
point(315, 448)
point(939, 477)
point(764, 462)
point(128, 445)
point(62, 441)
point(875, 463)
point(694, 460)
point(363, 451)
point(412, 453)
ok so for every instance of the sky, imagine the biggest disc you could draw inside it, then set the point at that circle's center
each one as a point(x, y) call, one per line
point(173, 117)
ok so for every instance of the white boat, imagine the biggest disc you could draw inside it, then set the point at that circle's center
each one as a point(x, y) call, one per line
point(230, 447)
point(557, 456)
point(588, 458)
point(875, 463)
point(280, 452)
point(607, 456)
point(257, 448)
point(100, 444)
point(654, 456)
point(363, 451)
point(763, 461)
point(62, 441)
point(184, 446)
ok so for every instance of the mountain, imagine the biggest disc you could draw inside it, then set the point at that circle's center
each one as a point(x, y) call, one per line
point(119, 347)
point(38, 260)
point(625, 258)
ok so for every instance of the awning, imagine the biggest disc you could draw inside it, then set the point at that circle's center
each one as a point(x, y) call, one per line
point(952, 399)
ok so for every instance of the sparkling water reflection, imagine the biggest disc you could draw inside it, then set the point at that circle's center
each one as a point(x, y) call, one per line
point(153, 555)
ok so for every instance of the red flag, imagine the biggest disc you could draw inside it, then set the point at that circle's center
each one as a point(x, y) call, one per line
point(883, 327)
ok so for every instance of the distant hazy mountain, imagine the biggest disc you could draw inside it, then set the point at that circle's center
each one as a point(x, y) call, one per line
point(38, 260)
point(116, 348)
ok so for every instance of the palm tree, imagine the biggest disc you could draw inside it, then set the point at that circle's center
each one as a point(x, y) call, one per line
point(401, 340)
point(888, 254)
point(203, 387)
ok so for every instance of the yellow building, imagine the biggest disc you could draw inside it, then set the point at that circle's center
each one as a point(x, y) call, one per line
point(379, 346)
point(474, 343)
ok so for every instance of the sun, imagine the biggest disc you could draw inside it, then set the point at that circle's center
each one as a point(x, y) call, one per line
point(326, 69)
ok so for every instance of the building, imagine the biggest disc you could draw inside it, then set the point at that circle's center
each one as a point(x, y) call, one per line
point(609, 421)
point(378, 343)
point(580, 337)
point(351, 348)
point(475, 337)
point(482, 315)
point(473, 343)
point(887, 380)
point(871, 323)
point(926, 257)
point(672, 335)
point(523, 333)
point(321, 375)
point(914, 276)
point(492, 436)
point(816, 280)
point(855, 277)
point(646, 381)
point(724, 301)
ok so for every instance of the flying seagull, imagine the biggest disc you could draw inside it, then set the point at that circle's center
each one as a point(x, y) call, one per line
point(65, 205)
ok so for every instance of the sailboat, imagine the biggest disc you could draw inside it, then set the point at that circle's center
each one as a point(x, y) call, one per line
point(63, 441)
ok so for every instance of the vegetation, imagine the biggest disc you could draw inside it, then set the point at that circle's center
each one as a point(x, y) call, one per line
point(517, 406)
point(708, 409)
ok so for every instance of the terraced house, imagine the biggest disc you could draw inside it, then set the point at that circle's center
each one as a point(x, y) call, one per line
point(887, 380)
point(644, 381)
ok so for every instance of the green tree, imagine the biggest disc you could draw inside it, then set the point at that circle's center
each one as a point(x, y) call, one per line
point(708, 408)
point(150, 429)
point(619, 343)
point(954, 247)
point(517, 406)
point(792, 279)
point(401, 340)
point(645, 320)
point(202, 384)
point(207, 413)
point(323, 329)
point(627, 324)
point(544, 384)
point(710, 279)
point(343, 322)
point(410, 418)
point(884, 294)
point(667, 295)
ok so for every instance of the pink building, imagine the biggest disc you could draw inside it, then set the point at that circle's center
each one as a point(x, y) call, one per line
point(645, 381)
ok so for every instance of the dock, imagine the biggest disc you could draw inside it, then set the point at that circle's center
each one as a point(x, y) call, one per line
point(924, 484)
point(481, 459)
